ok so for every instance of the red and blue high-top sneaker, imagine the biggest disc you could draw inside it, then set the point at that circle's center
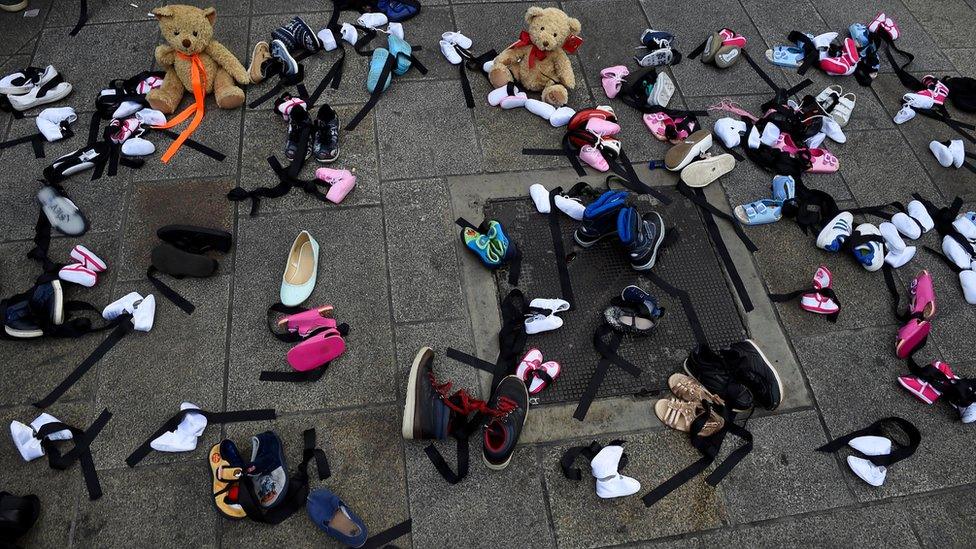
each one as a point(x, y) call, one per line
point(507, 411)
point(600, 218)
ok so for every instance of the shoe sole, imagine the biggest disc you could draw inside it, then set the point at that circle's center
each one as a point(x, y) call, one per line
point(693, 152)
point(657, 246)
point(500, 466)
point(779, 382)
point(704, 172)
point(593, 242)
point(15, 7)
point(410, 403)
point(692, 376)
point(49, 98)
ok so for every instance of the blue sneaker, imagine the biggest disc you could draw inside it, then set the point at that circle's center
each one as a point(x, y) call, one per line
point(870, 251)
point(641, 235)
point(268, 471)
point(335, 518)
point(836, 232)
point(397, 11)
point(784, 188)
point(401, 51)
point(636, 294)
point(600, 218)
point(859, 32)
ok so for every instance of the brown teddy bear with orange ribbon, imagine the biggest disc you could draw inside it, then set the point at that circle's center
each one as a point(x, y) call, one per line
point(538, 61)
point(192, 58)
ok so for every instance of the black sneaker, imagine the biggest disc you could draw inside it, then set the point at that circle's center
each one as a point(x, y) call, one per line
point(754, 370)
point(288, 64)
point(298, 134)
point(305, 37)
point(425, 416)
point(641, 235)
point(508, 409)
point(600, 218)
point(268, 471)
point(20, 318)
point(713, 371)
point(325, 143)
point(286, 34)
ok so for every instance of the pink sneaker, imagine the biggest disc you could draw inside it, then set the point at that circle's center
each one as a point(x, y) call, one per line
point(601, 127)
point(922, 389)
point(850, 53)
point(613, 79)
point(341, 183)
point(79, 274)
point(823, 162)
point(316, 351)
point(730, 38)
point(935, 89)
point(879, 20)
point(307, 321)
point(657, 124)
point(911, 336)
point(817, 303)
point(923, 295)
point(88, 258)
point(593, 158)
point(891, 28)
point(837, 66)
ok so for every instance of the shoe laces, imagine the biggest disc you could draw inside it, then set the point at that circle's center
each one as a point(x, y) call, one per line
point(731, 106)
point(464, 404)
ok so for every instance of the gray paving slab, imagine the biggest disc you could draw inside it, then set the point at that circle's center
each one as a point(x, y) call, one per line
point(60, 492)
point(847, 406)
point(868, 527)
point(65, 12)
point(697, 79)
point(367, 465)
point(20, 29)
point(581, 519)
point(425, 279)
point(142, 506)
point(356, 287)
point(144, 386)
point(44, 363)
point(151, 206)
point(782, 475)
point(944, 520)
point(265, 134)
point(439, 336)
point(404, 121)
point(609, 40)
point(10, 64)
point(775, 20)
point(963, 59)
point(947, 25)
point(507, 18)
point(457, 516)
point(882, 168)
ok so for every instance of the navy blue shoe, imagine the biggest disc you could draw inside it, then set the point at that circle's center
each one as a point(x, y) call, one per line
point(637, 295)
point(20, 320)
point(641, 236)
point(268, 471)
point(655, 39)
point(507, 409)
point(600, 218)
point(335, 518)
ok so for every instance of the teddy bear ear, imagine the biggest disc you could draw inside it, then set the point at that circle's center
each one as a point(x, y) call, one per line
point(574, 26)
point(210, 14)
point(532, 13)
point(165, 11)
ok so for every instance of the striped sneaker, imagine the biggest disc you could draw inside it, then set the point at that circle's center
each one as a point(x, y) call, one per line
point(836, 232)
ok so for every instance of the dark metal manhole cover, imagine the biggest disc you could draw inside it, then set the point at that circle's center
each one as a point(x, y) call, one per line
point(599, 273)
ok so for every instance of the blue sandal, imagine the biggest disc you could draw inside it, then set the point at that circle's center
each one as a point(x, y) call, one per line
point(759, 212)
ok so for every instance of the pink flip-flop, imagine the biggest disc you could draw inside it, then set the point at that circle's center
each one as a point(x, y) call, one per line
point(911, 336)
point(923, 295)
point(306, 322)
point(317, 350)
point(823, 162)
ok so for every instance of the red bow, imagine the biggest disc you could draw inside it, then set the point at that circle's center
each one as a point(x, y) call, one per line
point(534, 53)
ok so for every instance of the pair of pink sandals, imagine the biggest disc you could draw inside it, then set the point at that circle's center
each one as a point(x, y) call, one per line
point(613, 78)
point(85, 271)
point(818, 303)
point(341, 183)
point(658, 123)
point(821, 159)
point(529, 368)
point(913, 334)
point(323, 342)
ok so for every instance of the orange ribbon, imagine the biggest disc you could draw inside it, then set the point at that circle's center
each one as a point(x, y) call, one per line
point(198, 74)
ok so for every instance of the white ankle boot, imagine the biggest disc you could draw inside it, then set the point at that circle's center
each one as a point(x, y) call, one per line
point(609, 482)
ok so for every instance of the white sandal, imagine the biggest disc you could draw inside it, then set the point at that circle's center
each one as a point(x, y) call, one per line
point(842, 111)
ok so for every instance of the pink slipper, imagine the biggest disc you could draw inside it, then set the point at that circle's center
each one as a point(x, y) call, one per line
point(785, 143)
point(815, 302)
point(529, 368)
point(877, 22)
point(306, 322)
point(601, 127)
point(317, 350)
point(923, 295)
point(613, 78)
point(730, 38)
point(341, 183)
point(657, 123)
point(125, 129)
point(823, 162)
point(911, 336)
point(593, 158)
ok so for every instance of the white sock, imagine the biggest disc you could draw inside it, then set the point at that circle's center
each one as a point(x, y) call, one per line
point(954, 251)
point(144, 314)
point(126, 109)
point(561, 117)
point(942, 153)
point(540, 108)
point(770, 134)
point(906, 226)
point(514, 101)
point(27, 444)
point(184, 438)
point(958, 151)
point(917, 211)
point(124, 304)
point(44, 419)
point(49, 121)
point(327, 39)
point(540, 196)
point(496, 95)
point(570, 207)
point(754, 139)
point(372, 20)
point(488, 66)
point(871, 445)
point(151, 117)
point(899, 259)
point(867, 471)
point(349, 33)
point(968, 281)
point(965, 226)
point(137, 146)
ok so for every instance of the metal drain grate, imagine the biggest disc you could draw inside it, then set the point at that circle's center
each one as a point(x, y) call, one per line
point(599, 273)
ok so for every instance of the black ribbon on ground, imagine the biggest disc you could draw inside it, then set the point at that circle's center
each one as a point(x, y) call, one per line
point(81, 452)
point(5, 106)
point(810, 52)
point(781, 93)
point(685, 298)
point(123, 325)
point(82, 17)
point(384, 538)
point(473, 63)
point(297, 493)
point(195, 145)
point(899, 451)
point(374, 97)
point(559, 250)
point(285, 184)
point(36, 140)
point(826, 292)
point(606, 342)
point(169, 293)
point(568, 460)
point(172, 423)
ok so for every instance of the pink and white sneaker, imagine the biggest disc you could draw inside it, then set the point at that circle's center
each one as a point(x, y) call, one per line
point(286, 103)
point(534, 372)
point(594, 158)
point(850, 53)
point(150, 83)
point(818, 303)
point(88, 259)
point(886, 24)
point(124, 129)
point(923, 296)
point(837, 66)
point(879, 19)
point(78, 274)
point(730, 38)
point(922, 389)
point(341, 183)
point(601, 127)
point(612, 79)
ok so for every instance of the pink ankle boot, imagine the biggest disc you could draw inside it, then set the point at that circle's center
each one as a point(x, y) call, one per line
point(341, 182)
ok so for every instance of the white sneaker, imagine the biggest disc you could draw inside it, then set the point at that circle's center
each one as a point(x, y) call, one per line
point(349, 34)
point(458, 39)
point(540, 108)
point(554, 305)
point(836, 232)
point(967, 279)
point(540, 197)
point(730, 131)
point(538, 323)
point(919, 213)
point(144, 313)
point(396, 29)
point(904, 115)
point(610, 483)
point(942, 153)
point(86, 257)
point(867, 471)
point(372, 20)
point(78, 274)
point(968, 413)
point(871, 445)
point(770, 134)
point(569, 206)
point(871, 255)
point(451, 54)
point(26, 81)
point(35, 97)
point(125, 304)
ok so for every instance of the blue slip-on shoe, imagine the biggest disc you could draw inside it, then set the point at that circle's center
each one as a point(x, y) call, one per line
point(335, 518)
point(785, 56)
point(859, 32)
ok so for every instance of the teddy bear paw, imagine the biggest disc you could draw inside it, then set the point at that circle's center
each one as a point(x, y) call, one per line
point(162, 101)
point(229, 98)
point(556, 96)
